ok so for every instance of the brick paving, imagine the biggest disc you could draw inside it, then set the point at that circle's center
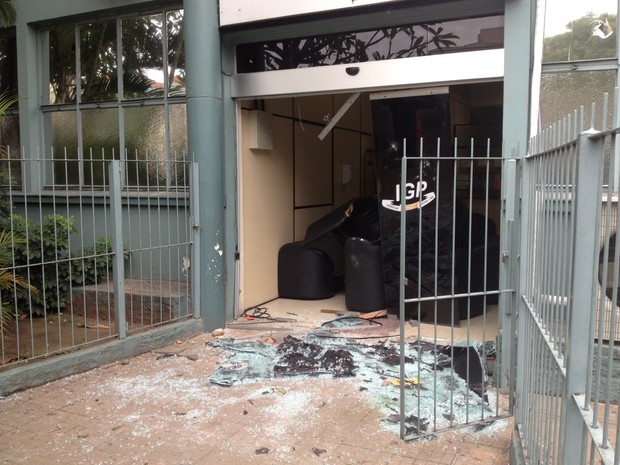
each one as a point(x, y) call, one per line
point(164, 410)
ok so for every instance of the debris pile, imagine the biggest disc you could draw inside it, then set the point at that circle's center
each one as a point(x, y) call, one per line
point(445, 385)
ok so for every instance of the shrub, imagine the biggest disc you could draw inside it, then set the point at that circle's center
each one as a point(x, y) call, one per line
point(42, 250)
point(93, 264)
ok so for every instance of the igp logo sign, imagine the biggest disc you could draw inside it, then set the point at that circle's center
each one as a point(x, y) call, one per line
point(413, 191)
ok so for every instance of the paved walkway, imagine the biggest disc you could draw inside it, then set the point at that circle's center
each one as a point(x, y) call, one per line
point(160, 408)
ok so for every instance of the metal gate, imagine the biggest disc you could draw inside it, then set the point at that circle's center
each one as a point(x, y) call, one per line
point(449, 288)
point(566, 388)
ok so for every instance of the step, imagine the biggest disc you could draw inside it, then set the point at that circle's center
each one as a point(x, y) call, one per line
point(147, 302)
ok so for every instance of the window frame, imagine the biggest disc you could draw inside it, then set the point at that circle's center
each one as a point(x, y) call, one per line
point(165, 100)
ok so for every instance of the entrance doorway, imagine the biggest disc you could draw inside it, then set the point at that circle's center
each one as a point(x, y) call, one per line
point(289, 177)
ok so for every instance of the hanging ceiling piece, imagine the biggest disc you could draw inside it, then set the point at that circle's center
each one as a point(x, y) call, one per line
point(339, 114)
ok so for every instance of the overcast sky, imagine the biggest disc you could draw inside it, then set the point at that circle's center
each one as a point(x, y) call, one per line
point(561, 12)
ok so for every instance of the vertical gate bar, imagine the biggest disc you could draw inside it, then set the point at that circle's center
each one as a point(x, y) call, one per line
point(547, 239)
point(533, 402)
point(570, 228)
point(149, 231)
point(159, 244)
point(587, 211)
point(419, 277)
point(195, 238)
point(615, 153)
point(402, 283)
point(549, 207)
point(617, 442)
point(484, 274)
point(57, 258)
point(435, 290)
point(565, 192)
point(469, 271)
point(109, 259)
point(536, 387)
point(536, 232)
point(130, 230)
point(94, 239)
point(452, 278)
point(550, 296)
point(554, 270)
point(558, 234)
point(118, 270)
point(552, 412)
point(140, 244)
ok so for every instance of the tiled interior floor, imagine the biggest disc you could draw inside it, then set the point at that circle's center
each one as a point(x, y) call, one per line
point(309, 313)
point(155, 409)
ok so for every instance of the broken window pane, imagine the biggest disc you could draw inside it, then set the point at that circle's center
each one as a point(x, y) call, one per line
point(580, 30)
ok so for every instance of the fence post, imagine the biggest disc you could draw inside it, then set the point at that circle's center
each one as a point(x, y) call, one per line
point(194, 200)
point(118, 269)
point(509, 262)
point(521, 350)
point(585, 253)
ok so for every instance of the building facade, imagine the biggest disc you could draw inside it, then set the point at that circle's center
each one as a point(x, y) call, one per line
point(189, 79)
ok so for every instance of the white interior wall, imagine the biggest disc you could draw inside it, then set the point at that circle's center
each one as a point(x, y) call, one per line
point(283, 191)
point(266, 193)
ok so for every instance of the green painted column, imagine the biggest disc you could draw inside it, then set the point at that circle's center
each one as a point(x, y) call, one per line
point(205, 141)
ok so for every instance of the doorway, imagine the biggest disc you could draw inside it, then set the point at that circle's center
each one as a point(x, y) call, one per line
point(289, 177)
